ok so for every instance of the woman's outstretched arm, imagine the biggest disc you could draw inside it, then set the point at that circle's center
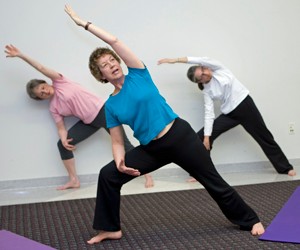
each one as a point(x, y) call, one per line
point(130, 59)
point(173, 60)
point(12, 51)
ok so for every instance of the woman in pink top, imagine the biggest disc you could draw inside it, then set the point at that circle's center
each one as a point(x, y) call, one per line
point(68, 98)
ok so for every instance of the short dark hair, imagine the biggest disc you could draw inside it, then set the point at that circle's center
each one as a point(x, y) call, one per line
point(191, 76)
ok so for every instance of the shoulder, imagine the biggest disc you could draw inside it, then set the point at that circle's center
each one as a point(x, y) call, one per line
point(63, 79)
point(60, 79)
point(138, 72)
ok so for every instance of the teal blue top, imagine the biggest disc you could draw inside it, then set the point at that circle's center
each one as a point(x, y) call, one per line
point(139, 105)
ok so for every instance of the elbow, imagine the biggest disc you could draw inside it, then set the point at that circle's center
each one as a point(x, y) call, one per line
point(40, 68)
point(114, 41)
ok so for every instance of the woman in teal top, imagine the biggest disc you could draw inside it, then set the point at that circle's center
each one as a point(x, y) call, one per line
point(164, 138)
point(147, 112)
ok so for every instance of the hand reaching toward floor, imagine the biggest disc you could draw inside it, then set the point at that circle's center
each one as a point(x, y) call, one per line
point(126, 170)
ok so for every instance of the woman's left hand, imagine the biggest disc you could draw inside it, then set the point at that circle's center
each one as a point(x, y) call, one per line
point(206, 142)
point(126, 170)
point(11, 51)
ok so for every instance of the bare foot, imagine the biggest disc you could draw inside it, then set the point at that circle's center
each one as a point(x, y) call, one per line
point(292, 172)
point(104, 235)
point(149, 181)
point(70, 184)
point(258, 229)
point(191, 179)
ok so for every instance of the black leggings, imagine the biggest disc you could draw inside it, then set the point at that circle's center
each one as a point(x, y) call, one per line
point(182, 146)
point(248, 115)
point(80, 131)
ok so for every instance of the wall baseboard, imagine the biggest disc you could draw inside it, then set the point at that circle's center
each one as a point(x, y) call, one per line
point(171, 170)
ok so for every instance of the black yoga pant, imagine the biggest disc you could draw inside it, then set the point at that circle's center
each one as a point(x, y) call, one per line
point(248, 115)
point(182, 146)
point(80, 131)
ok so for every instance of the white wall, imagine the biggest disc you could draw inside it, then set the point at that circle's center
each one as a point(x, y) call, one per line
point(258, 40)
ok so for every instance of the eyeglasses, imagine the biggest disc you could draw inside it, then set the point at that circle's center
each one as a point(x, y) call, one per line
point(198, 80)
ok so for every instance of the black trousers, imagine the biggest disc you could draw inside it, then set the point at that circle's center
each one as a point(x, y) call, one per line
point(81, 131)
point(182, 146)
point(248, 115)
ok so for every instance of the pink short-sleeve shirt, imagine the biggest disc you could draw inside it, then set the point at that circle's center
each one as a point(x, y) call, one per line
point(71, 99)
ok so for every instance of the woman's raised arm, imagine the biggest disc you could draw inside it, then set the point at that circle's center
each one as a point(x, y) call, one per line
point(130, 59)
point(12, 51)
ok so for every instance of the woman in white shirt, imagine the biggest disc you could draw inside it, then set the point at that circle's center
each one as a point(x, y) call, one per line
point(237, 108)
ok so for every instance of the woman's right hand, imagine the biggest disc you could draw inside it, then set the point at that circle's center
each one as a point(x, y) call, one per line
point(167, 60)
point(173, 60)
point(11, 51)
point(74, 16)
point(67, 145)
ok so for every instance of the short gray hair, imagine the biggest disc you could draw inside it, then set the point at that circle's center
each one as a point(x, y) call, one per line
point(30, 87)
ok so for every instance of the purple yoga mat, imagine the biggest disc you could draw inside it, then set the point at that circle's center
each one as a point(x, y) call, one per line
point(11, 241)
point(285, 227)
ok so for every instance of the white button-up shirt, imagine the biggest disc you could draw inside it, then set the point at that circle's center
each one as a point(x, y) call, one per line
point(223, 87)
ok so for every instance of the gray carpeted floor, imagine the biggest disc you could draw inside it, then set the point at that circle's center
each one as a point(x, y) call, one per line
point(187, 219)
